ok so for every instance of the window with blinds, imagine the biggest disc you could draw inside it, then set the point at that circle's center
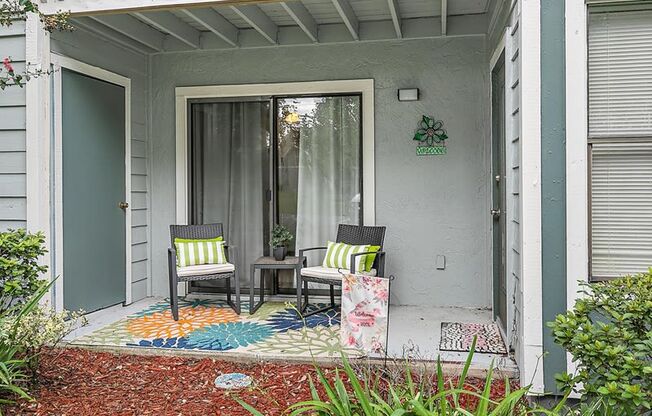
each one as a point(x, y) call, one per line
point(620, 137)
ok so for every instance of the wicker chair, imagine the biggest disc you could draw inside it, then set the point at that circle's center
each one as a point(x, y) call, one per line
point(349, 234)
point(203, 272)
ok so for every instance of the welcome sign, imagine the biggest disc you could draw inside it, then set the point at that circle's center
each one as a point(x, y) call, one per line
point(431, 137)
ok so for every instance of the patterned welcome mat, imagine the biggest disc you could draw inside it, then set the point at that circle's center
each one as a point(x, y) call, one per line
point(275, 329)
point(458, 336)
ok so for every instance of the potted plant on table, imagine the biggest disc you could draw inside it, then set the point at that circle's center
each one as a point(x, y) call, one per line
point(281, 237)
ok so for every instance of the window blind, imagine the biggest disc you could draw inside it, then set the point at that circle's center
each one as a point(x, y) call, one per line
point(620, 74)
point(621, 208)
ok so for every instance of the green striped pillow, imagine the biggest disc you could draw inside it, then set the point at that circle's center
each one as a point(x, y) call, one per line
point(338, 256)
point(196, 252)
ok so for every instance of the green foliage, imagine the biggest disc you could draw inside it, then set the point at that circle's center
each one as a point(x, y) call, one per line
point(280, 236)
point(609, 334)
point(13, 370)
point(19, 267)
point(351, 393)
point(41, 326)
point(17, 10)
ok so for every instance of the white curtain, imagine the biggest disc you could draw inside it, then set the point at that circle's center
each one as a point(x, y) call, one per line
point(228, 160)
point(328, 172)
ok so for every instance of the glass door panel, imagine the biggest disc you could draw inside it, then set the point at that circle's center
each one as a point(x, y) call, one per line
point(318, 169)
point(229, 150)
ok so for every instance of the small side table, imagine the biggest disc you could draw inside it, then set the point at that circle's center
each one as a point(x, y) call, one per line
point(267, 263)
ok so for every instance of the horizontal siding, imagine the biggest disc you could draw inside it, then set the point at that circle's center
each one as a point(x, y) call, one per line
point(12, 134)
point(86, 47)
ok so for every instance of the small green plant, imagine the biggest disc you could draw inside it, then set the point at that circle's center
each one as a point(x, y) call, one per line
point(13, 362)
point(20, 270)
point(281, 236)
point(609, 334)
point(42, 326)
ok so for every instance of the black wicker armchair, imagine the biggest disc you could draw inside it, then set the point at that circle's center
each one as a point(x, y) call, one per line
point(349, 234)
point(202, 272)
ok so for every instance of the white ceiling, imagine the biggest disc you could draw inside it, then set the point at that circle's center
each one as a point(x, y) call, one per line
point(324, 12)
point(271, 23)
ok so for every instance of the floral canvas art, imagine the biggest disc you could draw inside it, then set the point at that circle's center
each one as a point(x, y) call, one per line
point(365, 310)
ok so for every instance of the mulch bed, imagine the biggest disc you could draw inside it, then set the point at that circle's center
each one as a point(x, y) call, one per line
point(82, 382)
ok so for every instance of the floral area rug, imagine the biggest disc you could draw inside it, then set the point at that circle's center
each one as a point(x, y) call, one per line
point(458, 336)
point(275, 329)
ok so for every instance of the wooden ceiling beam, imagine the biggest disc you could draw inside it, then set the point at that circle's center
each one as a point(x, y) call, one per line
point(303, 18)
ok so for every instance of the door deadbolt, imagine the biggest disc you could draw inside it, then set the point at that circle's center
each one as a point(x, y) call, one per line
point(123, 205)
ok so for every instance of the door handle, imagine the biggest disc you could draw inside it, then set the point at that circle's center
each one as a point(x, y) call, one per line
point(123, 205)
point(495, 213)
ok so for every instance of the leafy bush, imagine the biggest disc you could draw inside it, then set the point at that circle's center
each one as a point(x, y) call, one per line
point(280, 236)
point(13, 374)
point(41, 326)
point(609, 334)
point(19, 268)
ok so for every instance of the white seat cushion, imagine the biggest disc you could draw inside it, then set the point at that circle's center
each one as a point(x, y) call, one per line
point(322, 272)
point(202, 269)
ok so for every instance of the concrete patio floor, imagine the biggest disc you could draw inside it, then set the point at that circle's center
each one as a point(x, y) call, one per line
point(414, 332)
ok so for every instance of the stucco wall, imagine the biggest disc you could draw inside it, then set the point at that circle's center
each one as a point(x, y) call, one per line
point(431, 205)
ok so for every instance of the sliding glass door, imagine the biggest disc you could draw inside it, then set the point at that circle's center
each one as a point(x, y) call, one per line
point(295, 161)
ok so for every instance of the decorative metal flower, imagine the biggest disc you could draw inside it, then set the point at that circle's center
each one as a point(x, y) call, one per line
point(229, 335)
point(431, 131)
point(288, 319)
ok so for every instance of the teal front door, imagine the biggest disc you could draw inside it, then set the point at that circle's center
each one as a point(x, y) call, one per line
point(93, 179)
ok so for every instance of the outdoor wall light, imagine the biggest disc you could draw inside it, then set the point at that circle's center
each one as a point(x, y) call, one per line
point(408, 94)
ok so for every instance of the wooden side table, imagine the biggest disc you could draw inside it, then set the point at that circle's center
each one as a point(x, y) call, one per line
point(267, 263)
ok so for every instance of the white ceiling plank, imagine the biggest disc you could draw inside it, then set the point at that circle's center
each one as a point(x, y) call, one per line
point(348, 17)
point(171, 24)
point(303, 18)
point(133, 28)
point(105, 32)
point(259, 21)
point(396, 17)
point(444, 17)
point(215, 23)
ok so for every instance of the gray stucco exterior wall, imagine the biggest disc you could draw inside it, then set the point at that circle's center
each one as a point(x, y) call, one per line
point(553, 181)
point(431, 205)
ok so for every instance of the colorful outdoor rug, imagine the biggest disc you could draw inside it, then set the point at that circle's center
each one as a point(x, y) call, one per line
point(458, 336)
point(275, 329)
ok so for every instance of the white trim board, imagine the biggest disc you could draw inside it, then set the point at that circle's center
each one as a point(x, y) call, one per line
point(37, 139)
point(362, 86)
point(59, 62)
point(530, 78)
point(577, 188)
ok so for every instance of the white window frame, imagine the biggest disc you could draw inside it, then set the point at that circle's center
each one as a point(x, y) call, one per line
point(365, 87)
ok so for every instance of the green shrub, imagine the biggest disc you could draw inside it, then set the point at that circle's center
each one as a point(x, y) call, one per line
point(609, 334)
point(42, 326)
point(19, 268)
point(13, 362)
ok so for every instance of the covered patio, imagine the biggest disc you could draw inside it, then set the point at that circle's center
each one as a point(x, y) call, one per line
point(306, 114)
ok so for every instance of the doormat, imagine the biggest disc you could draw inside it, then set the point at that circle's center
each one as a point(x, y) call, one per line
point(458, 336)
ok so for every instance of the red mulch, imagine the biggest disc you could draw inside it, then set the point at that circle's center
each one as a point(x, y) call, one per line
point(81, 382)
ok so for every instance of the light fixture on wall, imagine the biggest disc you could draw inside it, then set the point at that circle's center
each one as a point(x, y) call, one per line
point(408, 94)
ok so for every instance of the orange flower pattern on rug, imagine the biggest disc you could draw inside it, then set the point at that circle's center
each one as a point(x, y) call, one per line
point(162, 325)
